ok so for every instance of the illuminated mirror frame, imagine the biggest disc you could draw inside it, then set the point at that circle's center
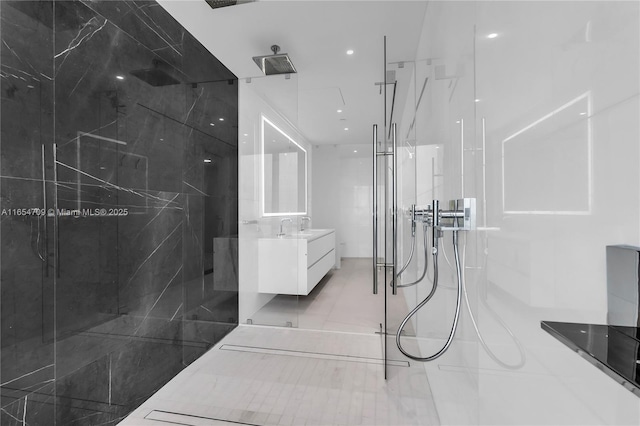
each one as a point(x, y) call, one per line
point(262, 159)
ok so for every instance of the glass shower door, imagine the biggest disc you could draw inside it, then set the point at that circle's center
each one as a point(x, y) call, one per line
point(394, 197)
point(273, 201)
point(409, 240)
point(431, 103)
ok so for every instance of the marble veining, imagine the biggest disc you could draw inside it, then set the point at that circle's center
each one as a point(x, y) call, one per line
point(107, 298)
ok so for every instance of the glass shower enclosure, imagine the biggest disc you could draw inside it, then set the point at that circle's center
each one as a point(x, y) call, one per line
point(119, 207)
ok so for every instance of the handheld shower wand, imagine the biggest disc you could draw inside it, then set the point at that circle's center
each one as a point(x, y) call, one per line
point(424, 215)
point(463, 210)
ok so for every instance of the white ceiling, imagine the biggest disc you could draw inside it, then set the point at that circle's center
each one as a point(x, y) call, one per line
point(316, 35)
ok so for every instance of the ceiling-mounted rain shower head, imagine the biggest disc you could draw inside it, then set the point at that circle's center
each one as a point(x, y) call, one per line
point(160, 74)
point(278, 63)
point(215, 4)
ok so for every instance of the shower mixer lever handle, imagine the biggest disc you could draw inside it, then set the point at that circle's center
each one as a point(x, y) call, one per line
point(461, 215)
point(435, 222)
point(413, 220)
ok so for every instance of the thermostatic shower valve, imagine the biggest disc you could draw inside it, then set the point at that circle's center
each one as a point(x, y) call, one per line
point(461, 215)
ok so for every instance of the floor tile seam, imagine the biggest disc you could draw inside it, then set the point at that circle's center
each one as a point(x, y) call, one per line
point(259, 397)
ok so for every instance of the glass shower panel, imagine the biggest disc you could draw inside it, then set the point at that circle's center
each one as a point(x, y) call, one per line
point(446, 157)
point(274, 161)
point(28, 350)
point(434, 106)
point(380, 225)
point(27, 299)
point(210, 224)
point(119, 219)
point(401, 105)
point(122, 199)
point(560, 156)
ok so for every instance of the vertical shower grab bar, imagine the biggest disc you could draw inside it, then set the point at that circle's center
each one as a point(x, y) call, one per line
point(462, 158)
point(375, 209)
point(44, 215)
point(484, 173)
point(394, 208)
point(394, 212)
point(56, 224)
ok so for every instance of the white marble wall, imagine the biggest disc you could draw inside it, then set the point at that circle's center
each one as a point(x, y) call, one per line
point(548, 110)
point(342, 190)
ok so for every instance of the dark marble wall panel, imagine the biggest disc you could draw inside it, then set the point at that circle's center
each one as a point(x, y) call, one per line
point(26, 86)
point(142, 251)
point(141, 21)
point(26, 90)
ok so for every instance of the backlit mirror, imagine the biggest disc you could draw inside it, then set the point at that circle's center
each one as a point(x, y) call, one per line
point(284, 173)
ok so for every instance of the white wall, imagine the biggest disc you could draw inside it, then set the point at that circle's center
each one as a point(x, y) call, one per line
point(551, 63)
point(557, 186)
point(342, 195)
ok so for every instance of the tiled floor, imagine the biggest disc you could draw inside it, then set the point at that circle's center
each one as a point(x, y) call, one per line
point(295, 376)
point(342, 301)
point(254, 387)
point(333, 375)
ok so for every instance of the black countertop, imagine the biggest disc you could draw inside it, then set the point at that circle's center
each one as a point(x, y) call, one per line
point(613, 349)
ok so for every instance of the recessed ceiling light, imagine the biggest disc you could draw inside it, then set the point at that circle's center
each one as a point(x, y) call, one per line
point(350, 52)
point(458, 122)
point(221, 119)
point(346, 128)
point(339, 111)
point(355, 150)
point(492, 35)
point(477, 100)
point(119, 77)
point(207, 160)
point(246, 134)
point(211, 124)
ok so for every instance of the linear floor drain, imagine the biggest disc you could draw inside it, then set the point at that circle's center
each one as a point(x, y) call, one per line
point(318, 355)
point(189, 419)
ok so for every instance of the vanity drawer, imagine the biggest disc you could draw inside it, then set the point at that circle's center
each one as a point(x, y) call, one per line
point(317, 248)
point(319, 270)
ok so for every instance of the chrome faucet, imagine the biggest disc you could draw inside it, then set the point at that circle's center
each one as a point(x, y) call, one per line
point(302, 219)
point(282, 221)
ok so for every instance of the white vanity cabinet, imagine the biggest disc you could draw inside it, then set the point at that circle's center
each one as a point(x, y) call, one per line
point(294, 264)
